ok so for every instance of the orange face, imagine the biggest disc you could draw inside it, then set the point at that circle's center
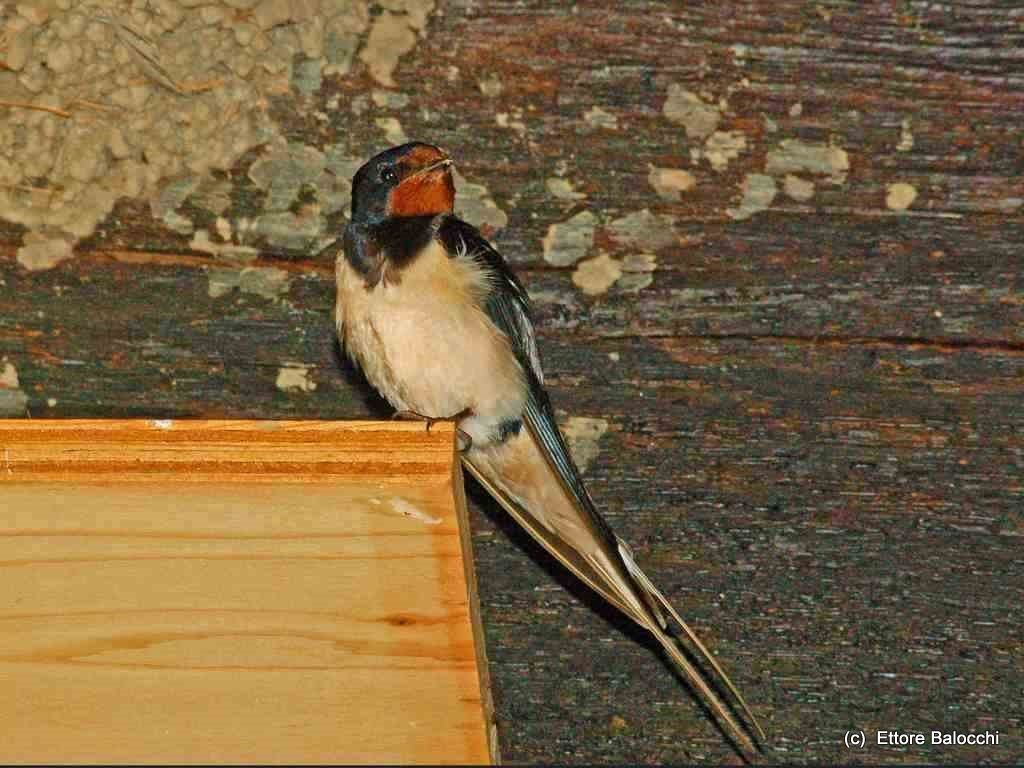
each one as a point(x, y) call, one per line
point(426, 188)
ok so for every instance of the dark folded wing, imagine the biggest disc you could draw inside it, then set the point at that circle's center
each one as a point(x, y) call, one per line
point(508, 306)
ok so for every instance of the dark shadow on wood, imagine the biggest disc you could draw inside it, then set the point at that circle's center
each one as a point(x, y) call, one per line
point(379, 407)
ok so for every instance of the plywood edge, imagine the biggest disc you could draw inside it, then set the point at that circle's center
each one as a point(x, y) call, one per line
point(201, 450)
point(476, 620)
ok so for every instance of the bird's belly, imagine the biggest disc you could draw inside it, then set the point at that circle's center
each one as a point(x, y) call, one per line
point(435, 358)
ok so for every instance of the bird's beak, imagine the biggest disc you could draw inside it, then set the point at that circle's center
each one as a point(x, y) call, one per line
point(443, 163)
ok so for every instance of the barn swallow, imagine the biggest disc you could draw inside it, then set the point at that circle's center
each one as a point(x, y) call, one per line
point(440, 325)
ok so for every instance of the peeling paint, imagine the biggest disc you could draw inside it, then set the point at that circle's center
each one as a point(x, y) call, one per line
point(583, 434)
point(502, 120)
point(304, 186)
point(389, 99)
point(163, 204)
point(569, 241)
point(637, 272)
point(294, 377)
point(759, 191)
point(599, 118)
point(698, 118)
point(231, 251)
point(595, 276)
point(158, 96)
point(562, 189)
point(341, 35)
point(39, 253)
point(645, 230)
point(900, 196)
point(670, 183)
point(223, 228)
point(906, 136)
point(798, 189)
point(474, 204)
point(723, 146)
point(491, 86)
point(307, 76)
point(407, 508)
point(393, 35)
point(393, 132)
point(13, 401)
point(269, 282)
point(9, 376)
point(796, 156)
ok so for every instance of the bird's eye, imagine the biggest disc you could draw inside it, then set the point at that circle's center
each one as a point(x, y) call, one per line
point(388, 175)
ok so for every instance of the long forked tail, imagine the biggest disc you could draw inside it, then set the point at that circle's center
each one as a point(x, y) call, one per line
point(632, 596)
point(658, 602)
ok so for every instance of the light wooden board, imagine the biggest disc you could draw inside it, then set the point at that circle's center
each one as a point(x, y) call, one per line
point(200, 591)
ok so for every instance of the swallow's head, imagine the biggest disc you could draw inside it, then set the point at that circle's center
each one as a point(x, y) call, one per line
point(413, 179)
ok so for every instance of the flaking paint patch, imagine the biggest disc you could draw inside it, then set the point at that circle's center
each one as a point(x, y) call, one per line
point(163, 204)
point(39, 253)
point(156, 92)
point(798, 189)
point(303, 187)
point(393, 35)
point(796, 156)
point(513, 122)
point(393, 131)
point(637, 272)
point(670, 183)
point(389, 99)
point(698, 118)
point(722, 147)
point(13, 401)
point(643, 229)
point(407, 508)
point(491, 86)
point(569, 241)
point(294, 377)
point(583, 434)
point(758, 191)
point(9, 376)
point(600, 118)
point(227, 250)
point(595, 276)
point(563, 189)
point(474, 204)
point(906, 136)
point(223, 229)
point(900, 196)
point(269, 282)
point(307, 75)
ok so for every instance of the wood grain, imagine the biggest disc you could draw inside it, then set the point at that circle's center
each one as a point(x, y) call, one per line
point(180, 593)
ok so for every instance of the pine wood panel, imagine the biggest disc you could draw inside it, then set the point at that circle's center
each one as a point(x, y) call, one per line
point(235, 592)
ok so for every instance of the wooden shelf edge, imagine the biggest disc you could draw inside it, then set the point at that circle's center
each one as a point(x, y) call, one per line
point(203, 450)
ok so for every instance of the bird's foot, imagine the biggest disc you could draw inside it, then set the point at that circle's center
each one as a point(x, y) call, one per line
point(465, 441)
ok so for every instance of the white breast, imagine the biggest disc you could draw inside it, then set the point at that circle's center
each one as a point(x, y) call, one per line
point(426, 345)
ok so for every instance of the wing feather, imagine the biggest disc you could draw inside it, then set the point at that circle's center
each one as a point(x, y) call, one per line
point(508, 306)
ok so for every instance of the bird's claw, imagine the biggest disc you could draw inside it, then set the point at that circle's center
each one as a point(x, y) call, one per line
point(465, 441)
